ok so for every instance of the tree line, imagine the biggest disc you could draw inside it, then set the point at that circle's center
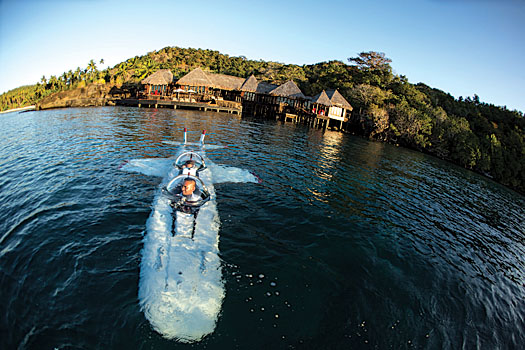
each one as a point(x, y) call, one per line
point(482, 137)
point(31, 94)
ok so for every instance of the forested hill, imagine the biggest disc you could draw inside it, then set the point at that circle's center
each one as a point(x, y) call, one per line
point(476, 135)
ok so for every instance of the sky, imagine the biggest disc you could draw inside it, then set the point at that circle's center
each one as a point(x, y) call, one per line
point(463, 47)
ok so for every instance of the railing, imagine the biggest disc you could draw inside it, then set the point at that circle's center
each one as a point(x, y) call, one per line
point(184, 97)
point(229, 104)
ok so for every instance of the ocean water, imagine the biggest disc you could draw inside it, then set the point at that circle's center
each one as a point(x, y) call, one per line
point(346, 243)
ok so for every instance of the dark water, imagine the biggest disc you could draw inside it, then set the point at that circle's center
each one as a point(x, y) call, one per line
point(347, 244)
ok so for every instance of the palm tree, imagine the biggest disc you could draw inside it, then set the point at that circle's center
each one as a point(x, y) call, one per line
point(122, 69)
point(70, 77)
point(39, 90)
point(64, 79)
point(145, 68)
point(91, 68)
point(53, 81)
point(77, 74)
point(61, 82)
point(83, 75)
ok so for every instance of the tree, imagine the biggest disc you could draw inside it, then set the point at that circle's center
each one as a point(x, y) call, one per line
point(378, 121)
point(363, 95)
point(53, 81)
point(373, 68)
point(92, 69)
point(372, 60)
point(77, 74)
point(410, 126)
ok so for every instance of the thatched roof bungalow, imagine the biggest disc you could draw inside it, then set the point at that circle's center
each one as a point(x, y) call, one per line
point(251, 84)
point(322, 99)
point(289, 94)
point(338, 100)
point(226, 82)
point(160, 77)
point(158, 82)
point(288, 90)
point(252, 90)
point(219, 85)
point(321, 103)
point(198, 79)
point(332, 104)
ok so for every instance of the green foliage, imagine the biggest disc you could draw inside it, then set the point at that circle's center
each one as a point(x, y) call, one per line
point(413, 126)
point(32, 94)
point(476, 135)
point(22, 96)
point(480, 136)
point(373, 68)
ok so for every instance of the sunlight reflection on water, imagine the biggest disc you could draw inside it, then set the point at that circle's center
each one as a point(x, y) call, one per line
point(358, 243)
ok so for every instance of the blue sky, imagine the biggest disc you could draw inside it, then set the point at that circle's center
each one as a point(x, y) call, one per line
point(464, 47)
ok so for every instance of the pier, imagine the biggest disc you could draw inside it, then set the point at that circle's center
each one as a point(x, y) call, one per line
point(173, 104)
point(206, 91)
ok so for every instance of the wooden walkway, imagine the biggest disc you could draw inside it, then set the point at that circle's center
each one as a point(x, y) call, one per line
point(293, 115)
point(311, 119)
point(176, 104)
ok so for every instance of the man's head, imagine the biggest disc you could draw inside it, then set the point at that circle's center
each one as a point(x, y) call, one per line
point(188, 187)
point(189, 163)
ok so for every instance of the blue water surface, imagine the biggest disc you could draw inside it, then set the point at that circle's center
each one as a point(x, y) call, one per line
point(346, 244)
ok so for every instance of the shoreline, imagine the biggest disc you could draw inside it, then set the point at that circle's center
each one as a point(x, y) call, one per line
point(20, 109)
point(92, 102)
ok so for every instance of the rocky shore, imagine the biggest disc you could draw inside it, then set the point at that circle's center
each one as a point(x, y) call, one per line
point(88, 96)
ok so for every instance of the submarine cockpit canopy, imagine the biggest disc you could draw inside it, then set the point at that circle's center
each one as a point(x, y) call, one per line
point(174, 189)
point(190, 158)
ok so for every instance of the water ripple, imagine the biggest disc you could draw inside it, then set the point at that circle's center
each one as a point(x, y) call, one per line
point(345, 244)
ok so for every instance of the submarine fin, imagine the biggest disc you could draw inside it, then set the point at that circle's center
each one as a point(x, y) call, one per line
point(148, 166)
point(223, 173)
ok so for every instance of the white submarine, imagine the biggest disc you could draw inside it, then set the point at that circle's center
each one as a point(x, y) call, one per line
point(181, 287)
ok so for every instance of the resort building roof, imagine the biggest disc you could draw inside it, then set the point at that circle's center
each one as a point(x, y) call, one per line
point(288, 89)
point(226, 82)
point(198, 77)
point(160, 77)
point(252, 85)
point(338, 100)
point(265, 88)
point(322, 99)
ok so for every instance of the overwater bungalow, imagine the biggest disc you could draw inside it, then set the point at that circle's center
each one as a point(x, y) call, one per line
point(158, 84)
point(331, 105)
point(340, 106)
point(252, 87)
point(289, 94)
point(256, 99)
point(321, 103)
point(213, 91)
point(212, 85)
point(261, 98)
